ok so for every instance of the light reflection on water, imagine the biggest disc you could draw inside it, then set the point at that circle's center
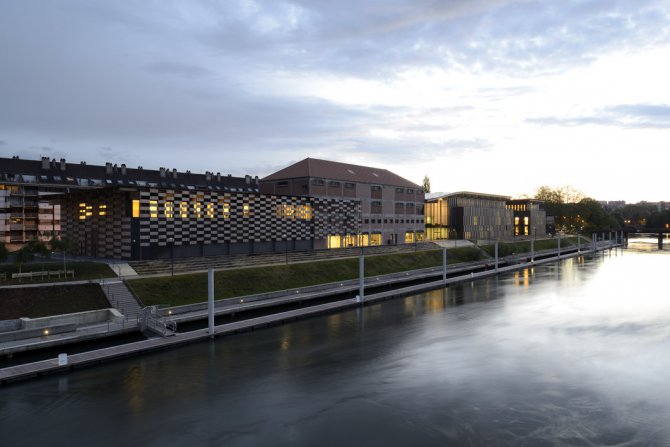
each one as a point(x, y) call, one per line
point(564, 354)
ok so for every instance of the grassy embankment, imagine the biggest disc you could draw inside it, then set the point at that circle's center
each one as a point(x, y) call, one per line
point(189, 289)
point(35, 302)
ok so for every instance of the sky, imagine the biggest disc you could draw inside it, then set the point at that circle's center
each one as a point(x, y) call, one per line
point(492, 96)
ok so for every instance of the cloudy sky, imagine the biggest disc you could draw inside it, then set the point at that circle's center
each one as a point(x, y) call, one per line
point(497, 96)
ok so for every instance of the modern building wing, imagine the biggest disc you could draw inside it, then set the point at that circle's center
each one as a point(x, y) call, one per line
point(479, 216)
point(391, 207)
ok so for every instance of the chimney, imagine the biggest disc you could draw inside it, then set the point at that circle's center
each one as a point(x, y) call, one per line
point(208, 176)
point(108, 168)
point(162, 170)
point(45, 162)
point(247, 179)
point(123, 169)
point(174, 173)
point(62, 164)
point(218, 176)
point(256, 180)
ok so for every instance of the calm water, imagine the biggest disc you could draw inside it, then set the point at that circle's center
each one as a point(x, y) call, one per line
point(576, 353)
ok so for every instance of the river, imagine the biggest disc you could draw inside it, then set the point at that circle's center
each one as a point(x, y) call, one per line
point(571, 353)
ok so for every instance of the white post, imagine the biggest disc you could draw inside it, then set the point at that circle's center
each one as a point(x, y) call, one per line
point(559, 245)
point(444, 265)
point(361, 278)
point(532, 250)
point(210, 301)
point(496, 251)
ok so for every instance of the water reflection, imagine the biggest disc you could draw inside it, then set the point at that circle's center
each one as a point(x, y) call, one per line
point(565, 354)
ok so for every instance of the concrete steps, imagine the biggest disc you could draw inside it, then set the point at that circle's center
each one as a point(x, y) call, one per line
point(121, 299)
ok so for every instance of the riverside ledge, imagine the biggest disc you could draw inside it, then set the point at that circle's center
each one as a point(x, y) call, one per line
point(56, 365)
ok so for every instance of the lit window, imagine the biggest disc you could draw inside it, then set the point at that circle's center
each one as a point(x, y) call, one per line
point(169, 210)
point(210, 210)
point(82, 211)
point(136, 208)
point(246, 210)
point(516, 220)
point(183, 210)
point(225, 207)
point(102, 210)
point(197, 209)
point(525, 220)
point(153, 209)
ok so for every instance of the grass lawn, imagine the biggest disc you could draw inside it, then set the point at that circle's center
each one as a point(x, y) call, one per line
point(82, 270)
point(188, 289)
point(35, 302)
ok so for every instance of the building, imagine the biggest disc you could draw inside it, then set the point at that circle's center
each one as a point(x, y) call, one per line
point(478, 216)
point(391, 207)
point(468, 215)
point(530, 218)
point(118, 212)
point(28, 209)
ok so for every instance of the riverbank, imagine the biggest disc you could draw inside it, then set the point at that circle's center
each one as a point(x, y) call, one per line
point(36, 369)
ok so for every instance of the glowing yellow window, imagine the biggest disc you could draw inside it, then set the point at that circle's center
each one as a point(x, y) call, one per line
point(82, 211)
point(102, 210)
point(525, 220)
point(197, 209)
point(246, 210)
point(136, 208)
point(89, 210)
point(210, 210)
point(516, 221)
point(153, 208)
point(183, 210)
point(225, 207)
point(169, 210)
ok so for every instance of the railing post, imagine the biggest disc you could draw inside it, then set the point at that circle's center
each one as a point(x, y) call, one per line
point(210, 301)
point(559, 246)
point(361, 278)
point(532, 250)
point(496, 252)
point(444, 265)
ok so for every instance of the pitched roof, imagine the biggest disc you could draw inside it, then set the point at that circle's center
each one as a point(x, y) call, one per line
point(333, 170)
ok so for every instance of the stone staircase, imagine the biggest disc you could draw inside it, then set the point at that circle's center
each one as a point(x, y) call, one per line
point(121, 298)
point(165, 266)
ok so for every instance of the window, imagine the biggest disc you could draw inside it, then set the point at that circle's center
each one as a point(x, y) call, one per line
point(102, 210)
point(410, 191)
point(375, 207)
point(210, 210)
point(82, 211)
point(282, 184)
point(246, 210)
point(224, 204)
point(334, 184)
point(153, 208)
point(136, 208)
point(318, 182)
point(376, 188)
point(349, 185)
point(399, 190)
point(525, 220)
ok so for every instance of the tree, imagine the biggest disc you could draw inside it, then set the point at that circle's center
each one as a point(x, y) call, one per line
point(426, 184)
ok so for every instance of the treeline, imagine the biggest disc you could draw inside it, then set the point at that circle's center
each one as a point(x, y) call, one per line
point(574, 213)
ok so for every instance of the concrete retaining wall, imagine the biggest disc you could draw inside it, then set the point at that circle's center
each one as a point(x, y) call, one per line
point(77, 319)
point(9, 325)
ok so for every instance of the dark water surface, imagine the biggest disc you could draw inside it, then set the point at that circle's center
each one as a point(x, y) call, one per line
point(576, 353)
